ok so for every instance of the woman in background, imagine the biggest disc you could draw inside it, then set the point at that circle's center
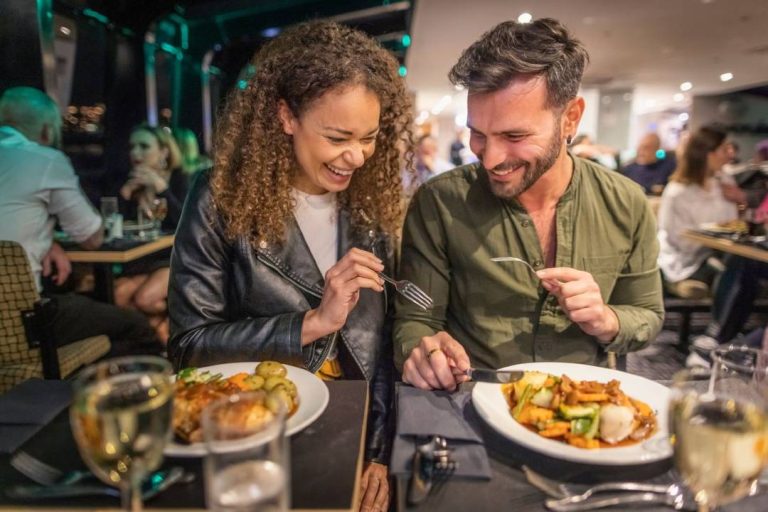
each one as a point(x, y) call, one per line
point(278, 253)
point(155, 174)
point(693, 197)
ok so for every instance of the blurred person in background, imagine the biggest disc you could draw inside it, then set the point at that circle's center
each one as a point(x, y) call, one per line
point(652, 166)
point(694, 197)
point(428, 164)
point(156, 173)
point(40, 188)
point(191, 159)
point(278, 253)
point(583, 147)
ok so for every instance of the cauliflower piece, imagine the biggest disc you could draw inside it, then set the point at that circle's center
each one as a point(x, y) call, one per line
point(616, 422)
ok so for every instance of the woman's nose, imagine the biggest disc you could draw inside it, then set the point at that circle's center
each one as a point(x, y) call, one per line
point(355, 156)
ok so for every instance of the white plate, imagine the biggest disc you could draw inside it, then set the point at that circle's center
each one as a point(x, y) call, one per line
point(492, 407)
point(714, 227)
point(313, 399)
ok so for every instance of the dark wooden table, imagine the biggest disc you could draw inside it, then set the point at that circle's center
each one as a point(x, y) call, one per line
point(117, 251)
point(326, 461)
point(508, 489)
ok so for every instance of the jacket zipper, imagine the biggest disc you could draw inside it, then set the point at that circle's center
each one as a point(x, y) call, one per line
point(310, 291)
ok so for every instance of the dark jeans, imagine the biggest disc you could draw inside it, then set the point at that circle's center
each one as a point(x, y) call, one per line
point(736, 291)
point(78, 317)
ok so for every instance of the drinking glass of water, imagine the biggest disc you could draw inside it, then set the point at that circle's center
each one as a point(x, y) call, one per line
point(121, 420)
point(719, 429)
point(109, 214)
point(246, 463)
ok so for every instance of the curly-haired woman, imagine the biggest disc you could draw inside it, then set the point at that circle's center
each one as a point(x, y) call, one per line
point(278, 251)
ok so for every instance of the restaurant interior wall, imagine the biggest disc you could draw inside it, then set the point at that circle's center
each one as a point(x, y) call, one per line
point(20, 56)
point(743, 114)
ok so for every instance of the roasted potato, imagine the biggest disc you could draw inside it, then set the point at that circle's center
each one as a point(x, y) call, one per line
point(271, 369)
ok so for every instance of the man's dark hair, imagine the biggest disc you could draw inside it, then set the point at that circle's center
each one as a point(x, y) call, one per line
point(511, 50)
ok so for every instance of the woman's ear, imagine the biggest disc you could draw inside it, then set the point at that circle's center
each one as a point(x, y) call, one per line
point(287, 119)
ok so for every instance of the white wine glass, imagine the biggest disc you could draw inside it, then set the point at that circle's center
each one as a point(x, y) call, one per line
point(159, 210)
point(719, 433)
point(121, 420)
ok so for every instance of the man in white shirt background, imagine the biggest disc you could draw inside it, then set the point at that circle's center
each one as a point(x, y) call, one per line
point(38, 188)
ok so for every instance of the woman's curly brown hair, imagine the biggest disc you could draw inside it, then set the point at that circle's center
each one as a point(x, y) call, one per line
point(254, 161)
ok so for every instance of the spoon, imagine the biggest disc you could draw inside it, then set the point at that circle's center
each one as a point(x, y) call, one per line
point(514, 259)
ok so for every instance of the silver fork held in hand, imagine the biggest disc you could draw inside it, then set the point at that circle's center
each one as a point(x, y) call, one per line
point(410, 291)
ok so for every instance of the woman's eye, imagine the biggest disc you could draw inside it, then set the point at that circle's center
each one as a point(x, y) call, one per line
point(369, 140)
point(335, 140)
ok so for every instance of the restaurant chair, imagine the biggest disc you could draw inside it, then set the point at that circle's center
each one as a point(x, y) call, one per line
point(27, 342)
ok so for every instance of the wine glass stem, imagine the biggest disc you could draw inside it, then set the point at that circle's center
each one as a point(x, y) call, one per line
point(131, 497)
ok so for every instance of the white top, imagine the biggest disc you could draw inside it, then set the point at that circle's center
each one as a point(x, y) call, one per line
point(37, 187)
point(687, 207)
point(317, 219)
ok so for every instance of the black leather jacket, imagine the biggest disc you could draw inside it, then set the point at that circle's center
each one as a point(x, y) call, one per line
point(228, 302)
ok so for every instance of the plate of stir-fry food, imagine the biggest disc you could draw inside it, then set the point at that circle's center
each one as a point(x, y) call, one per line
point(299, 392)
point(580, 413)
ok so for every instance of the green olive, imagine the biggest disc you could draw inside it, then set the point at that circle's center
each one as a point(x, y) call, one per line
point(271, 369)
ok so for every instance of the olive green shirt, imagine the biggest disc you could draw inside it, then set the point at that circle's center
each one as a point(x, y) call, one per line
point(498, 311)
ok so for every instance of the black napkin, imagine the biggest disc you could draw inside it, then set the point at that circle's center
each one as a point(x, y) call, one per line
point(26, 408)
point(428, 413)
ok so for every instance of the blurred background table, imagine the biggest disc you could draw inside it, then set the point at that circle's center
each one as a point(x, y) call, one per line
point(726, 245)
point(116, 251)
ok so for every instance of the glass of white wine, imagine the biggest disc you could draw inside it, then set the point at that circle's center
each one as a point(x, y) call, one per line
point(719, 432)
point(121, 420)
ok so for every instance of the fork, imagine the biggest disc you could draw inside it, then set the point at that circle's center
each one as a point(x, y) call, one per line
point(561, 490)
point(410, 291)
point(432, 466)
point(503, 259)
point(45, 474)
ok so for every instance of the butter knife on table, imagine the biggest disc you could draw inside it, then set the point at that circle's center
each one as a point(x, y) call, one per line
point(494, 376)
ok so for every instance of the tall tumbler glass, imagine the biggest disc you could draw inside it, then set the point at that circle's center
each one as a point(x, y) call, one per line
point(247, 467)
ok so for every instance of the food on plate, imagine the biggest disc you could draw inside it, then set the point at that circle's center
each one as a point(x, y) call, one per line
point(196, 389)
point(585, 414)
point(730, 226)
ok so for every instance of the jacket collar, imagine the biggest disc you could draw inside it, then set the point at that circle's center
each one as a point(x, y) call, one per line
point(294, 258)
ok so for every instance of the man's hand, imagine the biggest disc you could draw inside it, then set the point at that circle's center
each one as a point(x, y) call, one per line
point(374, 488)
point(579, 297)
point(437, 362)
point(56, 263)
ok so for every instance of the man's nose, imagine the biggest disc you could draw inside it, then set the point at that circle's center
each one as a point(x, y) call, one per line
point(492, 155)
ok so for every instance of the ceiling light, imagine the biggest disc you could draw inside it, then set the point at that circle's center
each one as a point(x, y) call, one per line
point(526, 17)
point(458, 87)
point(686, 86)
point(270, 32)
point(423, 116)
point(460, 119)
point(683, 117)
point(726, 76)
point(65, 30)
point(678, 97)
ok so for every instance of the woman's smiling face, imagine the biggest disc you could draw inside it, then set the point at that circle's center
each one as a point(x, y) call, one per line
point(333, 138)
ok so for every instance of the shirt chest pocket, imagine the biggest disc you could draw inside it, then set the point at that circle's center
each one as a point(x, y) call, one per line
point(605, 270)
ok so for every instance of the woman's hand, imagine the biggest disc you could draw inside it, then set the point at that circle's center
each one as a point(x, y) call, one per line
point(357, 269)
point(149, 178)
point(374, 488)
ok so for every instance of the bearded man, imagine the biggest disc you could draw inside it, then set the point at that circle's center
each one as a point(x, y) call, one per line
point(587, 231)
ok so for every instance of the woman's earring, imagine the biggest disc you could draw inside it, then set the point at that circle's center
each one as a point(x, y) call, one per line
point(164, 163)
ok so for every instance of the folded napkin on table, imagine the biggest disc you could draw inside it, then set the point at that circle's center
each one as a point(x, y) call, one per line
point(28, 407)
point(429, 413)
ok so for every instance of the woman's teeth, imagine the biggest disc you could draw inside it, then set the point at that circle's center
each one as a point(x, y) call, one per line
point(340, 172)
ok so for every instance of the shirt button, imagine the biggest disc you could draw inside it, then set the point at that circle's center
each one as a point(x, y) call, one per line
point(525, 223)
point(537, 264)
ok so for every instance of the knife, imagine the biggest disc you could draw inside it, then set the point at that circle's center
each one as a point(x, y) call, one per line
point(494, 376)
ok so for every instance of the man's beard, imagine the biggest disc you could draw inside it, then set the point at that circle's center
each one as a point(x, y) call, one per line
point(532, 171)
